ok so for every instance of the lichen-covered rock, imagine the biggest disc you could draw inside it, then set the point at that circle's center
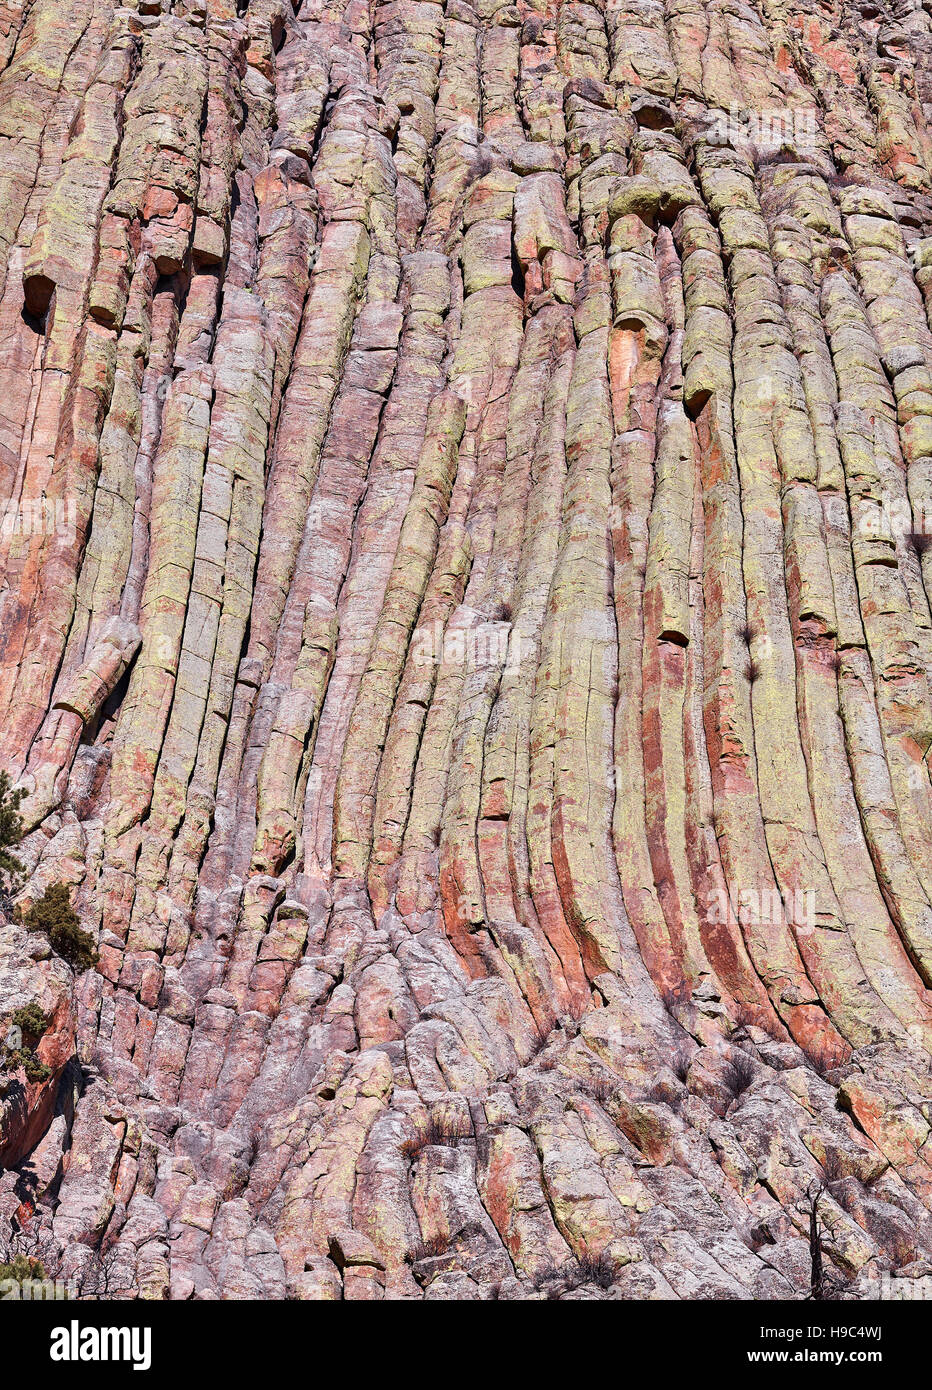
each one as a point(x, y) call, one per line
point(465, 646)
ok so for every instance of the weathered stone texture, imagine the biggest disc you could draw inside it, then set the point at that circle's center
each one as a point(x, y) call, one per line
point(465, 642)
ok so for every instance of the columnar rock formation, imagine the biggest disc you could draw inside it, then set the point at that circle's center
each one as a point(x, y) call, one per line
point(465, 642)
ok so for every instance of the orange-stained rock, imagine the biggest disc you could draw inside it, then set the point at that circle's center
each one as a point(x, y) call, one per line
point(466, 644)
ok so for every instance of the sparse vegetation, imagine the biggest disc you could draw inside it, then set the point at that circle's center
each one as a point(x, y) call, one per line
point(54, 915)
point(540, 1042)
point(680, 1063)
point(738, 1075)
point(443, 1130)
point(597, 1269)
point(11, 832)
point(428, 1249)
point(35, 1069)
point(823, 1286)
point(33, 1253)
point(822, 1060)
point(601, 1089)
point(23, 1269)
point(31, 1021)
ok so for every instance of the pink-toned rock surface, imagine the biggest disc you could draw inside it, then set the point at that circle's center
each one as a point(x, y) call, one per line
point(465, 642)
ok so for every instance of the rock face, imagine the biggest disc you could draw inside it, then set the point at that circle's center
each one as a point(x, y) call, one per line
point(465, 641)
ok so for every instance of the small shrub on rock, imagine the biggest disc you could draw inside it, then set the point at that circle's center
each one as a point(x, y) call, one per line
point(738, 1075)
point(22, 1269)
point(25, 1029)
point(599, 1270)
point(30, 1020)
point(11, 832)
point(428, 1249)
point(35, 1070)
point(54, 915)
point(442, 1130)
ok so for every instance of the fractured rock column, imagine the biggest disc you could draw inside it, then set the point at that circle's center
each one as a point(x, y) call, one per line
point(465, 645)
